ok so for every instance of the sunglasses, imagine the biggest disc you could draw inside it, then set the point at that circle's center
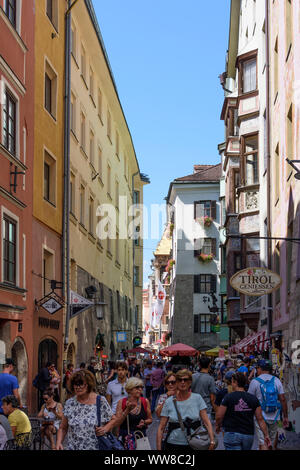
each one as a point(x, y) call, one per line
point(79, 384)
point(183, 380)
point(140, 387)
point(171, 382)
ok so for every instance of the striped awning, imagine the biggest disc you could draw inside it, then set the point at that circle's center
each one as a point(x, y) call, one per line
point(255, 342)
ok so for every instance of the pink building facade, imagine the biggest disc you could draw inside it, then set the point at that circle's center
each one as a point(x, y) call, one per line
point(16, 174)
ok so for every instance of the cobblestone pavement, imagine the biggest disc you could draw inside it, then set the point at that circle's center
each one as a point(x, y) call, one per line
point(292, 442)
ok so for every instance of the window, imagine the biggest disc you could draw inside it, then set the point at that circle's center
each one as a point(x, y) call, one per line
point(73, 113)
point(9, 250)
point(277, 174)
point(117, 247)
point(205, 209)
point(73, 41)
point(277, 270)
point(250, 160)
point(249, 76)
point(111, 301)
point(202, 324)
point(109, 180)
point(205, 246)
point(288, 27)
point(100, 104)
point(119, 303)
point(109, 125)
point(205, 283)
point(289, 253)
point(289, 141)
point(72, 194)
point(52, 12)
point(82, 131)
point(11, 11)
point(91, 83)
point(117, 144)
point(117, 194)
point(136, 275)
point(100, 167)
point(48, 271)
point(136, 197)
point(49, 178)
point(50, 90)
point(81, 203)
point(9, 122)
point(276, 70)
point(91, 216)
point(92, 147)
point(236, 176)
point(83, 63)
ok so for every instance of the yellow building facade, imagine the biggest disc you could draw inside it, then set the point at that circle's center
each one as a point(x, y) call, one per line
point(48, 177)
point(103, 166)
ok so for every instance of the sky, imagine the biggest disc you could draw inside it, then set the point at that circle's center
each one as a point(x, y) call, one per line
point(166, 56)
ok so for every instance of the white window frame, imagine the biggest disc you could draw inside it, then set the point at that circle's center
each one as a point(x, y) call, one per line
point(11, 215)
point(18, 15)
point(6, 84)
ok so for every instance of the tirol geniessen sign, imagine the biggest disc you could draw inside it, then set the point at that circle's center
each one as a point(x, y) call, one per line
point(255, 281)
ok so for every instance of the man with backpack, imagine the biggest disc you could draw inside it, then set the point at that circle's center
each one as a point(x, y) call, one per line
point(269, 391)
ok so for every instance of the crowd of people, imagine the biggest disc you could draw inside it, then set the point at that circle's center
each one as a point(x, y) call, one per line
point(238, 398)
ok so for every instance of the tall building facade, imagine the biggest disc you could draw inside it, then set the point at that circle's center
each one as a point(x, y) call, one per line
point(48, 178)
point(244, 162)
point(105, 183)
point(195, 302)
point(16, 177)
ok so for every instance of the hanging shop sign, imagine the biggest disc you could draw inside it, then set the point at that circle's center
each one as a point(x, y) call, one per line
point(255, 281)
point(79, 304)
point(121, 337)
point(52, 303)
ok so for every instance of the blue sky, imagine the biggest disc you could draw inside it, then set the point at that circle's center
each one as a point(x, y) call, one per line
point(166, 56)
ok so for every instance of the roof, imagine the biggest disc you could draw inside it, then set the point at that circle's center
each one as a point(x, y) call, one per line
point(203, 173)
point(165, 244)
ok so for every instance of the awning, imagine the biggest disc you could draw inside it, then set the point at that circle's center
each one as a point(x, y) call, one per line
point(255, 342)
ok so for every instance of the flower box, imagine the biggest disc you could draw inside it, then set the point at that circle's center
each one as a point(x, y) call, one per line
point(206, 221)
point(205, 258)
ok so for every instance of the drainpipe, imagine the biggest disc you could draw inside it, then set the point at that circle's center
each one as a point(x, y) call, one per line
point(268, 130)
point(133, 256)
point(66, 210)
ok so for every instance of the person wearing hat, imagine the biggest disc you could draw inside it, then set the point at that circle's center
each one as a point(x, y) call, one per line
point(9, 384)
point(256, 388)
point(221, 393)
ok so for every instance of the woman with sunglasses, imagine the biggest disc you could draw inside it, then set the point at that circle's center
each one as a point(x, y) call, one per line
point(80, 415)
point(192, 408)
point(133, 413)
point(51, 411)
point(170, 385)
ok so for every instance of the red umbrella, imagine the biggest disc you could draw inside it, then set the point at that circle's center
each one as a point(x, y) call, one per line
point(178, 350)
point(139, 350)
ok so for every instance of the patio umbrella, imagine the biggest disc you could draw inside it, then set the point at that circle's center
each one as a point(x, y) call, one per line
point(215, 352)
point(179, 350)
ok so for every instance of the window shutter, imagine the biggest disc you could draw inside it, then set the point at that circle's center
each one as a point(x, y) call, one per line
point(196, 252)
point(213, 284)
point(197, 284)
point(196, 323)
point(213, 247)
point(201, 242)
point(195, 208)
point(213, 210)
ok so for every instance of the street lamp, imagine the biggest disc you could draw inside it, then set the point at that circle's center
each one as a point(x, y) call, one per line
point(100, 309)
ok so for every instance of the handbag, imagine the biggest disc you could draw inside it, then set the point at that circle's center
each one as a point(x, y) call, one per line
point(199, 439)
point(108, 441)
point(141, 441)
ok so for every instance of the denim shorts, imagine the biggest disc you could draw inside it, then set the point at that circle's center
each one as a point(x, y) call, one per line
point(237, 441)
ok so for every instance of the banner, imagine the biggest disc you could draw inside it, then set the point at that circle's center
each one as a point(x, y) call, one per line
point(160, 302)
point(78, 303)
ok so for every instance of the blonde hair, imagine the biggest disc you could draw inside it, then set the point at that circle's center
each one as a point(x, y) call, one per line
point(184, 373)
point(132, 383)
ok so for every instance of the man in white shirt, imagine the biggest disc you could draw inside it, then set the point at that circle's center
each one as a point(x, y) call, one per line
point(271, 419)
point(116, 388)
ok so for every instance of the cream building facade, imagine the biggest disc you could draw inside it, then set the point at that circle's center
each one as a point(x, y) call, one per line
point(104, 170)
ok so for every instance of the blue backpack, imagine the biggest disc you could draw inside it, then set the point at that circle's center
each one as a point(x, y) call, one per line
point(270, 402)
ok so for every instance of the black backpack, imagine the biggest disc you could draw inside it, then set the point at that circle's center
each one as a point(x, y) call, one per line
point(35, 381)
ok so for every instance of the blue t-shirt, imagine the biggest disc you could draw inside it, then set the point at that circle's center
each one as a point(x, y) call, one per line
point(243, 369)
point(8, 383)
point(189, 408)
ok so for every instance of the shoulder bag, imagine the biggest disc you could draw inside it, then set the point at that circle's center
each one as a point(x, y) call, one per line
point(199, 439)
point(108, 441)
